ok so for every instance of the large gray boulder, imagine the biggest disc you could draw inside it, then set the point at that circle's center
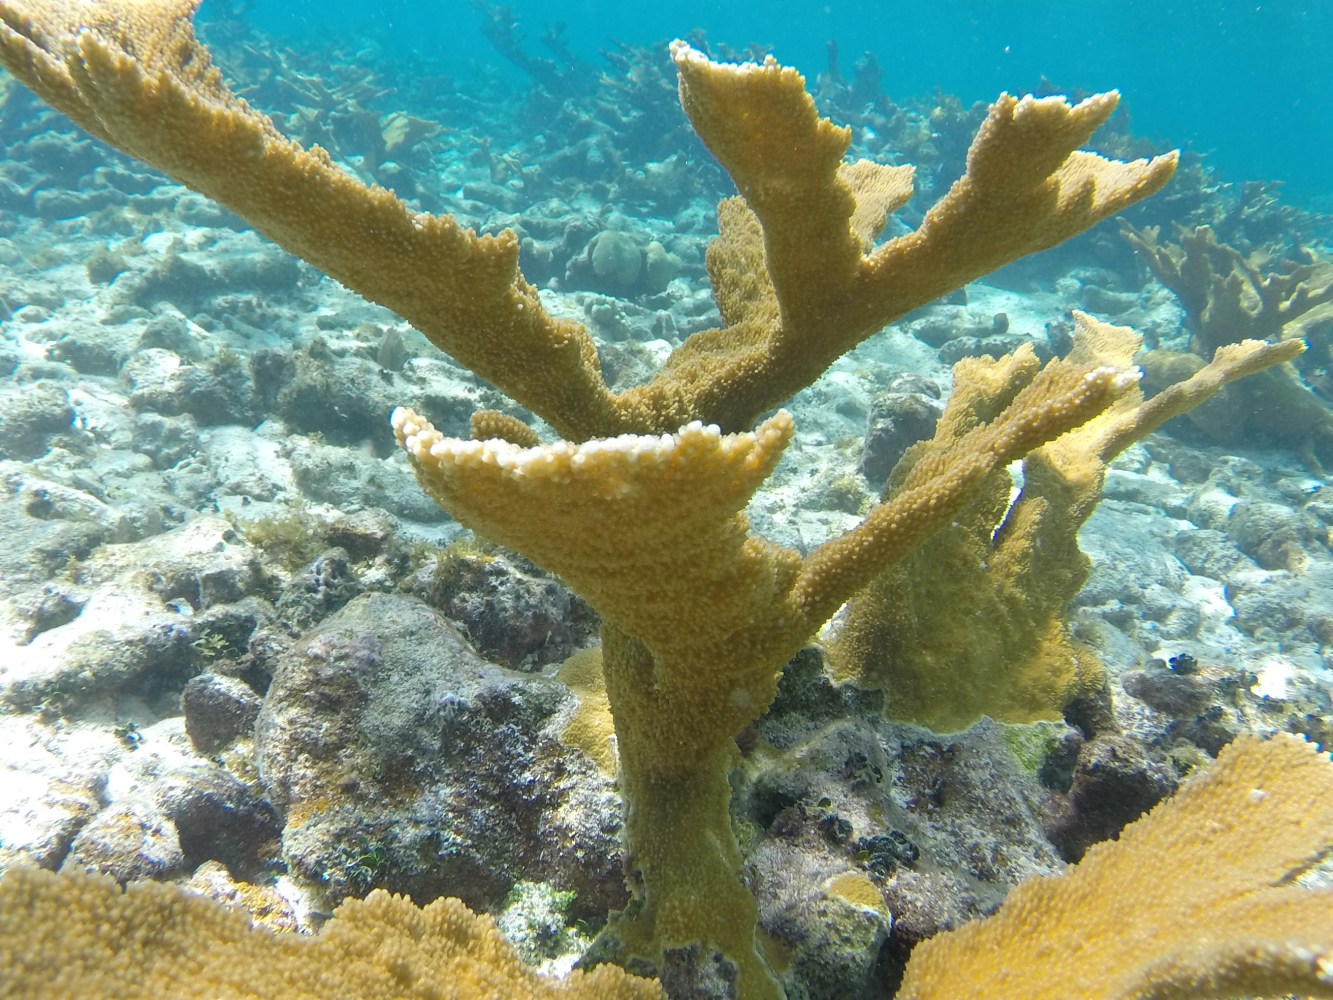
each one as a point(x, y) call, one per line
point(400, 758)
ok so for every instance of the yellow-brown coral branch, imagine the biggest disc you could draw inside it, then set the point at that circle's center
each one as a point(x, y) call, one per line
point(1230, 362)
point(1009, 654)
point(1189, 902)
point(133, 74)
point(760, 123)
point(647, 529)
point(823, 289)
point(81, 935)
point(1058, 400)
point(1026, 188)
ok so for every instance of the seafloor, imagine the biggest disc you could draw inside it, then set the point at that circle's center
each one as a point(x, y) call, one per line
point(199, 492)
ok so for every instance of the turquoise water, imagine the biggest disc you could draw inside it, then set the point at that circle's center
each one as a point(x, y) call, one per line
point(1246, 83)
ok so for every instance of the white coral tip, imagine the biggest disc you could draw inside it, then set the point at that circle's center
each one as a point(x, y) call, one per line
point(1129, 377)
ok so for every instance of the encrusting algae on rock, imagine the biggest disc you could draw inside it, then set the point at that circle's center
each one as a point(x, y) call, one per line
point(640, 509)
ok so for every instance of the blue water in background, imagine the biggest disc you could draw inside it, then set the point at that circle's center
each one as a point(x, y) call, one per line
point(1249, 84)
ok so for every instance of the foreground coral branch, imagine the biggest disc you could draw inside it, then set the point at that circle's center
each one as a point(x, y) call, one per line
point(1196, 899)
point(82, 935)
